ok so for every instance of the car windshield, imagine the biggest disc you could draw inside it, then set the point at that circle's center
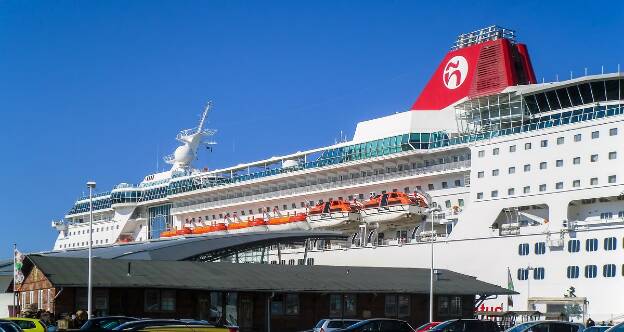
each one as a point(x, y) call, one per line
point(521, 327)
point(320, 323)
point(443, 325)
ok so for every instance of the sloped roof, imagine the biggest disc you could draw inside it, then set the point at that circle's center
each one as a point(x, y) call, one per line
point(184, 248)
point(112, 273)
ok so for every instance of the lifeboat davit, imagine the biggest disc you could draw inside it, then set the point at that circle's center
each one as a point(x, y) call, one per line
point(392, 207)
point(333, 214)
point(295, 222)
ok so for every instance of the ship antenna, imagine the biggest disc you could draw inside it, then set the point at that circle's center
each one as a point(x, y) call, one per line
point(204, 115)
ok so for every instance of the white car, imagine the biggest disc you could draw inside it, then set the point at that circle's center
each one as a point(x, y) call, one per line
point(328, 325)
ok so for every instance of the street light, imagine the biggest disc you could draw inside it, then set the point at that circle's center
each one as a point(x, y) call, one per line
point(432, 210)
point(91, 186)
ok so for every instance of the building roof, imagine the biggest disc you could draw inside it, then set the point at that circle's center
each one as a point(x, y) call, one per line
point(185, 248)
point(112, 273)
point(6, 280)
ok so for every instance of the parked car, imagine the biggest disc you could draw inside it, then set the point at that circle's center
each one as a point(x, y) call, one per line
point(9, 326)
point(547, 326)
point(427, 326)
point(155, 325)
point(106, 323)
point(379, 325)
point(617, 328)
point(328, 325)
point(29, 324)
point(597, 328)
point(466, 325)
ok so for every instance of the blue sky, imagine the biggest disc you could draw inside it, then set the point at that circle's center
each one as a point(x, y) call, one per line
point(99, 89)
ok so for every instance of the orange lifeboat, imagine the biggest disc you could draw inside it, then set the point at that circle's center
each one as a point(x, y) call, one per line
point(237, 225)
point(200, 230)
point(169, 233)
point(253, 222)
point(296, 221)
point(394, 198)
point(183, 231)
point(333, 206)
point(217, 228)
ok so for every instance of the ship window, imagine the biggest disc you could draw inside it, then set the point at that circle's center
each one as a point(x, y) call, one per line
point(481, 153)
point(574, 245)
point(523, 249)
point(593, 181)
point(559, 163)
point(444, 184)
point(610, 243)
point(595, 134)
point(562, 94)
point(560, 140)
point(479, 195)
point(531, 104)
point(542, 187)
point(430, 186)
point(538, 273)
point(511, 191)
point(608, 270)
point(576, 183)
point(575, 95)
point(495, 172)
point(612, 155)
point(527, 167)
point(540, 248)
point(526, 189)
point(447, 203)
point(512, 148)
point(544, 143)
point(553, 101)
point(480, 174)
point(611, 179)
point(586, 93)
point(573, 272)
point(527, 146)
point(559, 185)
point(598, 90)
point(613, 131)
point(457, 183)
point(523, 274)
point(494, 193)
point(577, 137)
point(460, 202)
point(495, 151)
point(590, 271)
point(511, 170)
point(542, 102)
point(576, 160)
point(591, 244)
point(612, 89)
point(543, 165)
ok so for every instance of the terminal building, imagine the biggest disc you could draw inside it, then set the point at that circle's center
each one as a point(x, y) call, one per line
point(193, 279)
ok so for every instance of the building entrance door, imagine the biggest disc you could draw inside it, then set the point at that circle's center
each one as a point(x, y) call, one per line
point(245, 312)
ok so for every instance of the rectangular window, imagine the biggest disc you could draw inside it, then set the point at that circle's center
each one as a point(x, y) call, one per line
point(480, 174)
point(291, 304)
point(512, 148)
point(613, 131)
point(543, 165)
point(460, 202)
point(544, 143)
point(526, 189)
point(430, 186)
point(494, 193)
point(612, 179)
point(457, 183)
point(593, 158)
point(527, 167)
point(559, 163)
point(560, 140)
point(593, 181)
point(559, 185)
point(447, 203)
point(576, 160)
point(495, 151)
point(576, 183)
point(511, 170)
point(444, 185)
point(577, 137)
point(527, 146)
point(159, 300)
point(612, 155)
point(391, 306)
point(511, 191)
point(479, 195)
point(542, 187)
point(595, 134)
point(495, 172)
point(481, 153)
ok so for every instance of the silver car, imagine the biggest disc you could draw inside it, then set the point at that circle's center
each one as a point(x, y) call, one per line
point(328, 325)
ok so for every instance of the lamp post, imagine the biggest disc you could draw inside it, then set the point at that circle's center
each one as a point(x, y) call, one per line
point(432, 239)
point(91, 186)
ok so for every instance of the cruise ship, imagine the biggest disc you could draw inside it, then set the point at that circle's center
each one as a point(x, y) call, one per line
point(501, 177)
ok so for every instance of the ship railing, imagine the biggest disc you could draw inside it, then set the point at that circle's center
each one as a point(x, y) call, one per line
point(193, 205)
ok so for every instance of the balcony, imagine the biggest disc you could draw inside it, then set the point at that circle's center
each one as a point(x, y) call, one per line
point(185, 207)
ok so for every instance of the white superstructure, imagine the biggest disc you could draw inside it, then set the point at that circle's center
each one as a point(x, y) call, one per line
point(516, 176)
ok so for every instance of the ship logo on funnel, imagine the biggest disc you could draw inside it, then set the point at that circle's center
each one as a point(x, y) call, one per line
point(455, 72)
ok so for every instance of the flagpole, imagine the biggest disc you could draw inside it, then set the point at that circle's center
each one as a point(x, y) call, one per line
point(14, 273)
